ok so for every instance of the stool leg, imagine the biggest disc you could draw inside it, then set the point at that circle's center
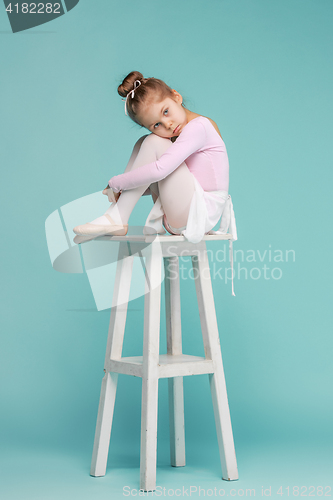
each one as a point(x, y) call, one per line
point(174, 346)
point(104, 424)
point(113, 351)
point(150, 370)
point(213, 351)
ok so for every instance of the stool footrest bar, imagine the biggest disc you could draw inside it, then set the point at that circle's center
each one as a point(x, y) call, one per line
point(169, 365)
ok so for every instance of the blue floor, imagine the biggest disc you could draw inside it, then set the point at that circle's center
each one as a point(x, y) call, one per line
point(51, 474)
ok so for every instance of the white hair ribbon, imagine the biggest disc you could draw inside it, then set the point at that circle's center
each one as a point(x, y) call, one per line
point(132, 94)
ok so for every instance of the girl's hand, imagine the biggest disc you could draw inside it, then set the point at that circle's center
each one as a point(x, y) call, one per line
point(112, 196)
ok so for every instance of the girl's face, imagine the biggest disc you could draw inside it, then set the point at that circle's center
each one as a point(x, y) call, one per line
point(166, 118)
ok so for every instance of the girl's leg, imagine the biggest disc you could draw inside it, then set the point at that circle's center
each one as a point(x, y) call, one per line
point(175, 191)
point(125, 213)
point(135, 152)
point(146, 150)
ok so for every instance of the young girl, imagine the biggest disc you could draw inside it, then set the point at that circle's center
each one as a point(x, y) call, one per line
point(182, 163)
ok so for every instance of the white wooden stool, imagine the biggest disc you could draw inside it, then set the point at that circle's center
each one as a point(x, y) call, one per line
point(174, 365)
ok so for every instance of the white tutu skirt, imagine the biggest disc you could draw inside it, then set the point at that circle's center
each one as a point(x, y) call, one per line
point(206, 209)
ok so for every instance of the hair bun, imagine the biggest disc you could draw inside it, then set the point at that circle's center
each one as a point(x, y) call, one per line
point(128, 83)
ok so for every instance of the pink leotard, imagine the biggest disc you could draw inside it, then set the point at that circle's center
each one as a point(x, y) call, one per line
point(199, 145)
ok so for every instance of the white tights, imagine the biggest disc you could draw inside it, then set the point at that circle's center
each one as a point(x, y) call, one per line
point(175, 190)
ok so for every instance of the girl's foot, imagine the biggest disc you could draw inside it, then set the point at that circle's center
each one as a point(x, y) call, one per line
point(102, 225)
point(109, 223)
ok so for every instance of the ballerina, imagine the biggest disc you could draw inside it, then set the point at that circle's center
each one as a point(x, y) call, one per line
point(182, 163)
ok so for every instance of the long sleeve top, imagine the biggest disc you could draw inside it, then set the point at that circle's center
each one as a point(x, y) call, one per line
point(199, 145)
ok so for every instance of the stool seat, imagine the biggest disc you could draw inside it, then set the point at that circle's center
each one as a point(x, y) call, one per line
point(167, 238)
point(154, 251)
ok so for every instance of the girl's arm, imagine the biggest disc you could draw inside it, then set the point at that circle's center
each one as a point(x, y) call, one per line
point(191, 139)
point(134, 154)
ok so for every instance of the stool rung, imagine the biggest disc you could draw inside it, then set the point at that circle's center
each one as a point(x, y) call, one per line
point(170, 365)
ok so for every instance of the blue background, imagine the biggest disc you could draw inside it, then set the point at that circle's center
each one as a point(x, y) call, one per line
point(263, 71)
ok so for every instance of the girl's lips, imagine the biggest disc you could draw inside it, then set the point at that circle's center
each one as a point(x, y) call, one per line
point(176, 129)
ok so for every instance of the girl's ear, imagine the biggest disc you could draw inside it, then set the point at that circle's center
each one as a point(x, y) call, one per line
point(178, 97)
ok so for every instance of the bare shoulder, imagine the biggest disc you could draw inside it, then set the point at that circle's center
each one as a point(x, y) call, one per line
point(214, 125)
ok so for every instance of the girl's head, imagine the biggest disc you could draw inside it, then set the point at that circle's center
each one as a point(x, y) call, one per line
point(154, 105)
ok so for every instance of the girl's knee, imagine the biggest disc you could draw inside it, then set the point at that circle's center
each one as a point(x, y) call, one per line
point(159, 145)
point(139, 142)
point(156, 140)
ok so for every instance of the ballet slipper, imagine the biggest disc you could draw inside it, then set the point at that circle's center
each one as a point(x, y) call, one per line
point(99, 229)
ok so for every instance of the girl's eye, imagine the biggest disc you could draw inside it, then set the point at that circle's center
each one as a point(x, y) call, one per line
point(157, 124)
